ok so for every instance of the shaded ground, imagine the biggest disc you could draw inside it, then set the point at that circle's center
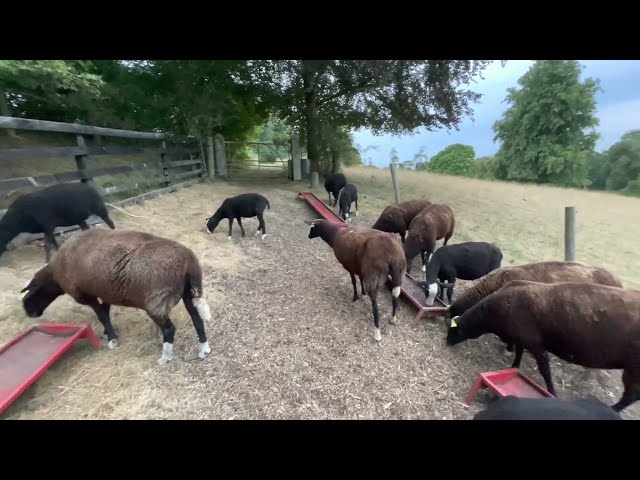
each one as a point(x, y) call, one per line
point(287, 341)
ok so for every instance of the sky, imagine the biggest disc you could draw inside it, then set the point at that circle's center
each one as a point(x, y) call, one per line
point(617, 109)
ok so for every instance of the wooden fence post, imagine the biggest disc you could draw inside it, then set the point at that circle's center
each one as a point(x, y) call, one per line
point(81, 161)
point(394, 178)
point(569, 234)
point(211, 167)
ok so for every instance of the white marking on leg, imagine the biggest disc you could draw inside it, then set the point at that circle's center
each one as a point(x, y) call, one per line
point(507, 353)
point(100, 301)
point(229, 237)
point(393, 320)
point(203, 309)
point(424, 268)
point(167, 353)
point(203, 350)
point(376, 334)
point(112, 344)
point(395, 292)
point(257, 233)
point(264, 236)
point(356, 213)
point(433, 291)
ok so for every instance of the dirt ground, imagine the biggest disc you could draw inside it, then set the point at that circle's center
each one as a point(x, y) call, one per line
point(288, 342)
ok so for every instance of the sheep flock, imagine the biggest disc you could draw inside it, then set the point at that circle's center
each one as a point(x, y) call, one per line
point(357, 266)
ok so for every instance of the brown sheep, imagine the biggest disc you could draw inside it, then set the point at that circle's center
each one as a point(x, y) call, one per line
point(397, 218)
point(430, 225)
point(543, 272)
point(587, 324)
point(372, 255)
point(100, 268)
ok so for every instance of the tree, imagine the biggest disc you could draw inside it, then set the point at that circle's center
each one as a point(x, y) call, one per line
point(392, 96)
point(456, 159)
point(483, 168)
point(548, 132)
point(623, 162)
point(50, 89)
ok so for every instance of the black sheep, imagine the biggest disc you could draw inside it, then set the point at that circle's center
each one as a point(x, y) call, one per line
point(347, 195)
point(547, 408)
point(42, 211)
point(245, 205)
point(466, 261)
point(333, 184)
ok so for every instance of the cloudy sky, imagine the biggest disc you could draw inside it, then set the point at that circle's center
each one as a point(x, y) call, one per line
point(618, 107)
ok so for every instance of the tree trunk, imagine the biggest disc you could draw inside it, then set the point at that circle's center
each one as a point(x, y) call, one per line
point(311, 115)
point(335, 162)
point(4, 111)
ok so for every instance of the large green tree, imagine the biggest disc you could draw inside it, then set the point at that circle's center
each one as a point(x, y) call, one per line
point(456, 159)
point(390, 96)
point(548, 133)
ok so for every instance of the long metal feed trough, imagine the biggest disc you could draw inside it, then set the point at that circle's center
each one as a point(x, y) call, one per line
point(410, 290)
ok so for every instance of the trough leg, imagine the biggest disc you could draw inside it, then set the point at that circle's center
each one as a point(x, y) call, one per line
point(545, 370)
point(631, 382)
point(168, 333)
point(355, 290)
point(198, 309)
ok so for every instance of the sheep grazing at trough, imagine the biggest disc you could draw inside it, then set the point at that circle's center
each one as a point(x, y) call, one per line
point(372, 255)
point(347, 195)
point(44, 210)
point(543, 272)
point(333, 183)
point(430, 225)
point(100, 268)
point(397, 218)
point(547, 408)
point(587, 324)
point(245, 205)
point(466, 261)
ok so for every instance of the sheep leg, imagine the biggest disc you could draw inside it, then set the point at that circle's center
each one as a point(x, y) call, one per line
point(241, 227)
point(83, 225)
point(49, 244)
point(376, 316)
point(446, 239)
point(631, 382)
point(355, 290)
point(102, 311)
point(449, 293)
point(362, 287)
point(168, 333)
point(356, 200)
point(261, 225)
point(230, 228)
point(424, 261)
point(197, 309)
point(104, 215)
point(543, 367)
point(518, 358)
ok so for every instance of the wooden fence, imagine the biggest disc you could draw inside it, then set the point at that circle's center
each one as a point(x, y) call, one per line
point(123, 174)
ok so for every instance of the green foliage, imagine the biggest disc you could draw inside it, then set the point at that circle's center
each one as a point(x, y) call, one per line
point(545, 133)
point(390, 96)
point(276, 132)
point(484, 168)
point(623, 163)
point(456, 159)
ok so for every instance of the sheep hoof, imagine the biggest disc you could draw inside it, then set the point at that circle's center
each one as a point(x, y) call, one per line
point(376, 336)
point(393, 321)
point(356, 213)
point(163, 360)
point(257, 233)
point(229, 237)
point(113, 344)
point(264, 236)
point(204, 350)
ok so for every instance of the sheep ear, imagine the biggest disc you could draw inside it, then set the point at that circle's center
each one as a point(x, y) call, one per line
point(453, 322)
point(308, 222)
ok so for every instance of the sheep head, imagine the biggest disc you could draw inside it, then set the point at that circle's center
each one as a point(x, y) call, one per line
point(313, 231)
point(39, 293)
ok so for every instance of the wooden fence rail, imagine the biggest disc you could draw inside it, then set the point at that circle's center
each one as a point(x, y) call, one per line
point(180, 164)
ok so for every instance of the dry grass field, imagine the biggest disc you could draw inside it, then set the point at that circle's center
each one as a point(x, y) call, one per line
point(288, 342)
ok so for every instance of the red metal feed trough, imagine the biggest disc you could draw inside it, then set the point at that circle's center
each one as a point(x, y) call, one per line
point(510, 381)
point(28, 356)
point(410, 290)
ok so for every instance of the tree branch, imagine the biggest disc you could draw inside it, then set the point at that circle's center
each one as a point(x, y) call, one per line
point(344, 91)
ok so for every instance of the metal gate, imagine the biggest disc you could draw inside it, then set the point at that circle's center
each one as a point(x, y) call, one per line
point(257, 160)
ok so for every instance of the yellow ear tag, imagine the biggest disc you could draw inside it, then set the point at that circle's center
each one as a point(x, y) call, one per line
point(24, 293)
point(453, 324)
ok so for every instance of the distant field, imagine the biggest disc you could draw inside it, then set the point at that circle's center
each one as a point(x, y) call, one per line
point(525, 221)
